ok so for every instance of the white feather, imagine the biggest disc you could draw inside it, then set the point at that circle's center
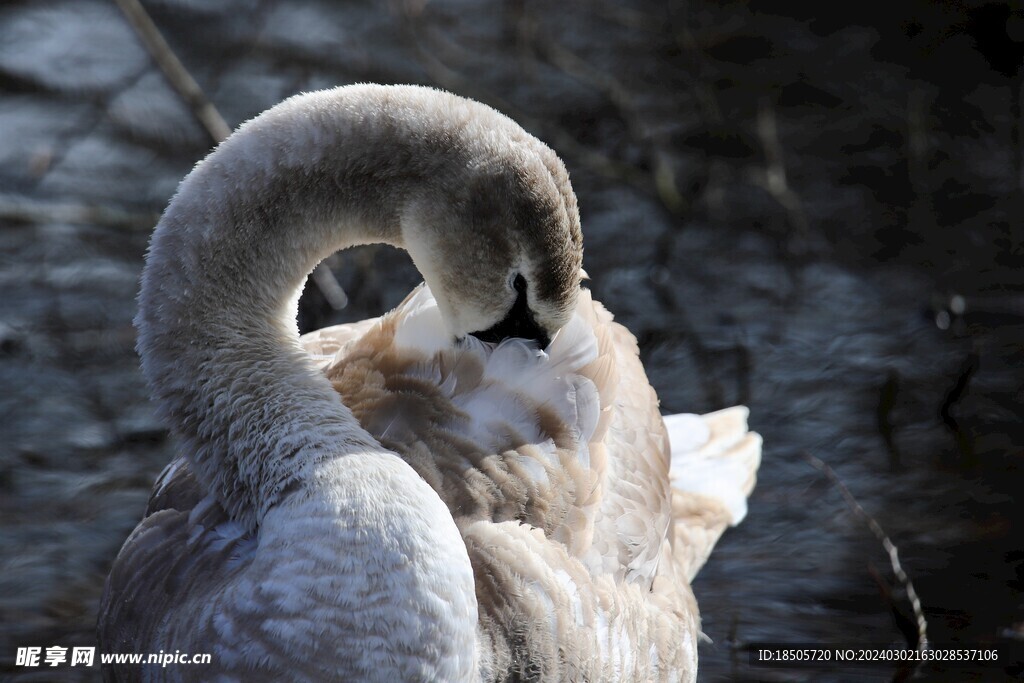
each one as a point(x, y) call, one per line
point(715, 455)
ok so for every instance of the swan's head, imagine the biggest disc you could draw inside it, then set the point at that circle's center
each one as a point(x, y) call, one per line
point(501, 249)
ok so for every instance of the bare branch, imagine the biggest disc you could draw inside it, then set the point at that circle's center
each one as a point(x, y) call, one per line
point(189, 91)
point(329, 286)
point(178, 76)
point(890, 547)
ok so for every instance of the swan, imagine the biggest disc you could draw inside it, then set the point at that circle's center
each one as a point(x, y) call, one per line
point(475, 486)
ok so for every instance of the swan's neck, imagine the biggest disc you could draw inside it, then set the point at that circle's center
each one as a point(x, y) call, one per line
point(216, 326)
point(216, 322)
point(267, 433)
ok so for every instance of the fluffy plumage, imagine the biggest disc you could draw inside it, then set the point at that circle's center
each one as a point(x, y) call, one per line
point(465, 511)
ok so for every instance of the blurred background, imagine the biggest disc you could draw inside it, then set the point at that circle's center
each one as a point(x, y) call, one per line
point(815, 212)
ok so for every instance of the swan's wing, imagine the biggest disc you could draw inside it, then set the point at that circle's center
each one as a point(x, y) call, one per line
point(176, 488)
point(633, 520)
point(134, 593)
point(570, 441)
point(561, 440)
point(714, 467)
point(174, 562)
point(503, 433)
point(544, 616)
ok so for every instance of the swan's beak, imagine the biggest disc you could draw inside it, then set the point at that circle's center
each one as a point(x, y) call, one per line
point(515, 326)
point(520, 323)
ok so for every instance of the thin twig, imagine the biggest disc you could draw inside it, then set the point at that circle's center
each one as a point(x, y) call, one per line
point(189, 91)
point(890, 547)
point(175, 72)
point(329, 286)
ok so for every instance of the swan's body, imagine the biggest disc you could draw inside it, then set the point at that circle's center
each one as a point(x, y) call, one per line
point(466, 511)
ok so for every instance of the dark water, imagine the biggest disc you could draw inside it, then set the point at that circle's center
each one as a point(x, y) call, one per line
point(817, 214)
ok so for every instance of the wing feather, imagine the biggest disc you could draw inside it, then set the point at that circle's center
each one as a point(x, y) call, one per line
point(714, 468)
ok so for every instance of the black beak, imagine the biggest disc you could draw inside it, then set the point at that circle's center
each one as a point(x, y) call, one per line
point(518, 323)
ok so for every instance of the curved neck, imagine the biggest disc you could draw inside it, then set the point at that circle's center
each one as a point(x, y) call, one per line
point(217, 336)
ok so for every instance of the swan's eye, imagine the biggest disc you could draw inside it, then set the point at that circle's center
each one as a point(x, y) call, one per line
point(518, 283)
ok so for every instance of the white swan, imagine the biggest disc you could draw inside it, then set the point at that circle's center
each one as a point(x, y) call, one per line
point(437, 508)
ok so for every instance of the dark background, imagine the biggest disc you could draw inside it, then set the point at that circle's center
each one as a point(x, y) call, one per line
point(815, 212)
